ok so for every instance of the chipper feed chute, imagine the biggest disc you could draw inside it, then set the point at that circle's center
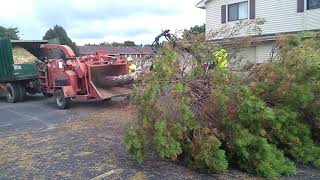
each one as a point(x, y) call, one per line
point(110, 80)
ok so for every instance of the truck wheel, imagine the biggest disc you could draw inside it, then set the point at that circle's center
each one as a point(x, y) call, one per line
point(13, 93)
point(62, 102)
point(22, 92)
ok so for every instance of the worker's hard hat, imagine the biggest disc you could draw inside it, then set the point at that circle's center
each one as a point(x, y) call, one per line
point(129, 59)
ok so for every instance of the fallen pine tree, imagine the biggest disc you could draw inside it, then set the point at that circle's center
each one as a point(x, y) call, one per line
point(212, 119)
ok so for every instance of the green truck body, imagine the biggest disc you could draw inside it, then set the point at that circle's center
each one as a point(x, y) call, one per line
point(10, 72)
point(18, 80)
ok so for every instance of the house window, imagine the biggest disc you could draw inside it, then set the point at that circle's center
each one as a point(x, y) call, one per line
point(313, 4)
point(238, 11)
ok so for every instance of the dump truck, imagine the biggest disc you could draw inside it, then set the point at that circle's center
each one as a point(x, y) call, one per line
point(18, 78)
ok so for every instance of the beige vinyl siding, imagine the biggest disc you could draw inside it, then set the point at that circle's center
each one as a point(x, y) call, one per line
point(255, 54)
point(213, 16)
point(247, 56)
point(263, 51)
point(280, 15)
point(312, 19)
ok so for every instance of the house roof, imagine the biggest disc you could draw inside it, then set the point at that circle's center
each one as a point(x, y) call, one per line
point(202, 4)
point(29, 41)
point(86, 50)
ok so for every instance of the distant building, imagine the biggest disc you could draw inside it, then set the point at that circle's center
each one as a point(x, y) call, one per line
point(136, 52)
point(281, 16)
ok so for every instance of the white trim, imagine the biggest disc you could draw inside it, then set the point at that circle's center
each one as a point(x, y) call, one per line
point(202, 4)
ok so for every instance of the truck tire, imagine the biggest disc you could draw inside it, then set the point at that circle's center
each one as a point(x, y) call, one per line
point(22, 92)
point(13, 93)
point(61, 101)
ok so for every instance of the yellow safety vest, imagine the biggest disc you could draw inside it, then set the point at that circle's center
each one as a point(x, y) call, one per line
point(223, 63)
point(222, 57)
point(132, 68)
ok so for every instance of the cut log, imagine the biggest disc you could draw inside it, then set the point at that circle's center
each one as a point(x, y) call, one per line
point(113, 81)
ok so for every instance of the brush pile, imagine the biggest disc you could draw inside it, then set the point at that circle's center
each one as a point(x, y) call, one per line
point(22, 56)
point(215, 118)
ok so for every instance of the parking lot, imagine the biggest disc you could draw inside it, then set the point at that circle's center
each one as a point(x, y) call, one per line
point(40, 112)
point(37, 140)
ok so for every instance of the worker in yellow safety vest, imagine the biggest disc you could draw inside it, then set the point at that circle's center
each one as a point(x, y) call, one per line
point(132, 67)
point(222, 58)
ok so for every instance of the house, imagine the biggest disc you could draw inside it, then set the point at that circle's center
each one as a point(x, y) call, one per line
point(281, 16)
point(136, 52)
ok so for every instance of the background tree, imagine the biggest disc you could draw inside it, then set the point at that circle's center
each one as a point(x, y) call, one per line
point(89, 44)
point(104, 44)
point(60, 32)
point(129, 43)
point(194, 30)
point(115, 44)
point(125, 43)
point(12, 33)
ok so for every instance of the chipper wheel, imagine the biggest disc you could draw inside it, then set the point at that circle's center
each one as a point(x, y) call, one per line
point(13, 93)
point(62, 102)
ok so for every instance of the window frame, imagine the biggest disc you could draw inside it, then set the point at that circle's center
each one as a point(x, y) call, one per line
point(308, 6)
point(238, 5)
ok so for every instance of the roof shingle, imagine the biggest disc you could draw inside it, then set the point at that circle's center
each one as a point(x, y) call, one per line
point(87, 50)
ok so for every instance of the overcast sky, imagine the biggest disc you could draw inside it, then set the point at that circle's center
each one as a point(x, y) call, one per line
point(93, 21)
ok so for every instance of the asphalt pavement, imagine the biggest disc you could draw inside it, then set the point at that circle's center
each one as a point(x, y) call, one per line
point(39, 141)
point(38, 111)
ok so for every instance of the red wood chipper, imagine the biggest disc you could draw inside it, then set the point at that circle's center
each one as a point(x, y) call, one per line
point(98, 76)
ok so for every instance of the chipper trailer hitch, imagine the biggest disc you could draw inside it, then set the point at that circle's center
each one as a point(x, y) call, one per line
point(93, 77)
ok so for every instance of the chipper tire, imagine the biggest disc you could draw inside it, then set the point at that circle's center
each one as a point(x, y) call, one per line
point(61, 101)
point(13, 93)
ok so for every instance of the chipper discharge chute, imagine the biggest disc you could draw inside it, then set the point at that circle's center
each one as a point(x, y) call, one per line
point(110, 80)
